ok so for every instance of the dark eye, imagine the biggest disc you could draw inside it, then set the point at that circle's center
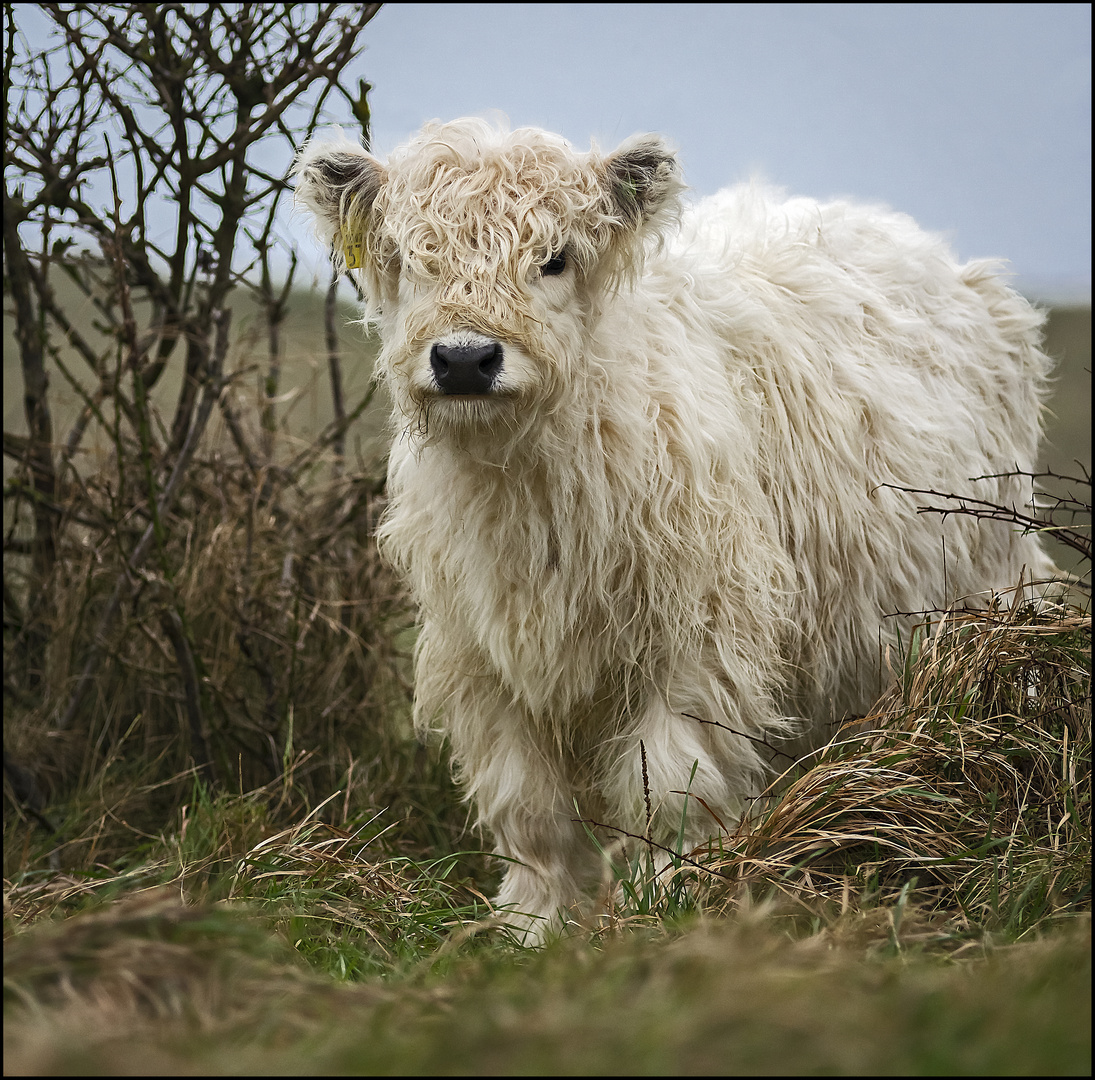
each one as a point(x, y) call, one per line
point(555, 265)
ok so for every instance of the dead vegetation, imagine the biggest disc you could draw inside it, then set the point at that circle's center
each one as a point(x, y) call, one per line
point(971, 779)
point(191, 589)
point(965, 794)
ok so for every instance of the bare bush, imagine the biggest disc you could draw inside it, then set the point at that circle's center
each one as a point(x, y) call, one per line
point(204, 596)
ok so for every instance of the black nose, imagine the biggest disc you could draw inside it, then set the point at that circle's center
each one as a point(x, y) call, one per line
point(466, 369)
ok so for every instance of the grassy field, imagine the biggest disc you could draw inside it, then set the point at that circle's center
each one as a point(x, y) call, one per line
point(308, 407)
point(916, 902)
point(165, 988)
point(305, 405)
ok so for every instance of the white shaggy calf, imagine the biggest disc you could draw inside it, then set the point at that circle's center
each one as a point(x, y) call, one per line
point(638, 477)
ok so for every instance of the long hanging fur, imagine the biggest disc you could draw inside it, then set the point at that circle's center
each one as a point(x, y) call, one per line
point(667, 522)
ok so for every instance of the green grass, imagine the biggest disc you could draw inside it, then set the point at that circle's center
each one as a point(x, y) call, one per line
point(162, 987)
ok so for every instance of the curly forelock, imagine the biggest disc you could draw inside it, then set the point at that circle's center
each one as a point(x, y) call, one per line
point(466, 200)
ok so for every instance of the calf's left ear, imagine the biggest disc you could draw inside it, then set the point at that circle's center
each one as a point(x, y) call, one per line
point(643, 181)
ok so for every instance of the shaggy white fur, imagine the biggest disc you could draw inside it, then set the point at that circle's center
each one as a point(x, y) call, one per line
point(651, 507)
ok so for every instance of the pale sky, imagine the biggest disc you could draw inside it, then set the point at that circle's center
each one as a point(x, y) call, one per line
point(975, 119)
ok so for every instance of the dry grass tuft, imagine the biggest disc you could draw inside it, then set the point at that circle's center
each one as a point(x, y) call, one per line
point(140, 985)
point(971, 780)
point(399, 903)
point(297, 638)
point(147, 955)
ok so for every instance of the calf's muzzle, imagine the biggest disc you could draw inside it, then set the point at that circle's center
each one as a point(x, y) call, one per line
point(461, 369)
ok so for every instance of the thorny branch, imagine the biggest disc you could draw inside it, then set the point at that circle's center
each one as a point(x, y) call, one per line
point(742, 735)
point(1069, 504)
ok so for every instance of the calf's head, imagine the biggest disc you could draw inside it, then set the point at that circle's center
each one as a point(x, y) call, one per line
point(484, 256)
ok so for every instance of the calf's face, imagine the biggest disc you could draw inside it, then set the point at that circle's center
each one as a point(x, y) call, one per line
point(484, 256)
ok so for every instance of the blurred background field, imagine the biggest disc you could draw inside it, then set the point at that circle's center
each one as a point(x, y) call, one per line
point(1068, 427)
point(306, 397)
point(1067, 446)
point(305, 406)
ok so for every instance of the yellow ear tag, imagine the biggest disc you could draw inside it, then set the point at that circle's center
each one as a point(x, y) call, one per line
point(355, 254)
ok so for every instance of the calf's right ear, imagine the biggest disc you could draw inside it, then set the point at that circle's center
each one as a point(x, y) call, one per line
point(338, 183)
